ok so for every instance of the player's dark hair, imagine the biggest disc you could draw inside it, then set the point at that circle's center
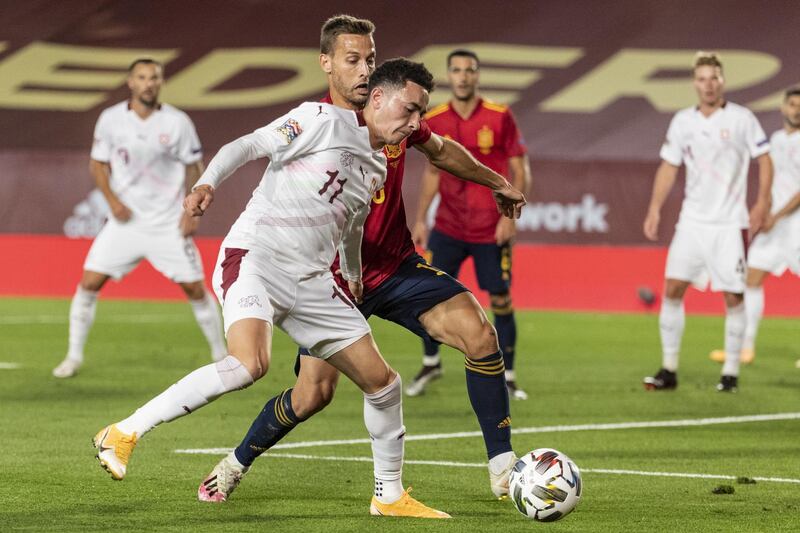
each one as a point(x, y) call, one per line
point(791, 91)
point(710, 59)
point(342, 24)
point(145, 61)
point(462, 52)
point(398, 71)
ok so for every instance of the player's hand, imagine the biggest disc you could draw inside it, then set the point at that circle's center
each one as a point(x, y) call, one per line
point(758, 215)
point(651, 225)
point(188, 224)
point(120, 211)
point(357, 290)
point(197, 201)
point(509, 201)
point(419, 234)
point(505, 232)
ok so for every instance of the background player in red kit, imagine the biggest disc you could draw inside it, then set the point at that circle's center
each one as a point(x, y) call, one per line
point(398, 286)
point(467, 221)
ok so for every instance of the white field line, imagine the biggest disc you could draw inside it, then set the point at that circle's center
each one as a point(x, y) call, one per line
point(542, 429)
point(116, 319)
point(9, 366)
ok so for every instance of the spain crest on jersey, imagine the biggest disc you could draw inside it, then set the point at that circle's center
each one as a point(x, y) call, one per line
point(393, 151)
point(290, 130)
point(485, 139)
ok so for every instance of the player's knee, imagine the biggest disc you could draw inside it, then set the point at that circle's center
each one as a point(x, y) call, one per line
point(482, 341)
point(234, 374)
point(387, 396)
point(255, 360)
point(194, 291)
point(501, 304)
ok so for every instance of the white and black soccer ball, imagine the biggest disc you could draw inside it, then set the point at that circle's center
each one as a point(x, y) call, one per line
point(545, 485)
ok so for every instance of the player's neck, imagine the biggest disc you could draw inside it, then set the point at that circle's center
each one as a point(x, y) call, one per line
point(465, 108)
point(789, 129)
point(141, 109)
point(708, 109)
point(340, 101)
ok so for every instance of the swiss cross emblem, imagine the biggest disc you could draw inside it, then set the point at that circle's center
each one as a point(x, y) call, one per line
point(163, 139)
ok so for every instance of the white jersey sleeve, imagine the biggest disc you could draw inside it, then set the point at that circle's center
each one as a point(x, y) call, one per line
point(671, 150)
point(189, 149)
point(350, 247)
point(103, 139)
point(757, 142)
point(289, 137)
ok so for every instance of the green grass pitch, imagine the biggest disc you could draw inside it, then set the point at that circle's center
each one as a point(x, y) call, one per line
point(578, 368)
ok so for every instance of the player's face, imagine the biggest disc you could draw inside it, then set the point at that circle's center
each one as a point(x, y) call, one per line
point(349, 66)
point(709, 84)
point(791, 112)
point(398, 112)
point(462, 73)
point(145, 83)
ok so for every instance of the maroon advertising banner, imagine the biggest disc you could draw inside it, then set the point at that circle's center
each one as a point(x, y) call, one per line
point(592, 84)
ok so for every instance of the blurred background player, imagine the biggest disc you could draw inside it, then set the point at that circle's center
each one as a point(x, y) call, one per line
point(145, 156)
point(399, 285)
point(467, 222)
point(273, 267)
point(777, 245)
point(715, 140)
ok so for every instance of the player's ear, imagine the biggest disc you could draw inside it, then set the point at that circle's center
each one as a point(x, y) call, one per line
point(377, 96)
point(325, 63)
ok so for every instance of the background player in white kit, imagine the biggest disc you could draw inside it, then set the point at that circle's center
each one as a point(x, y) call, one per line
point(274, 267)
point(715, 140)
point(777, 246)
point(144, 155)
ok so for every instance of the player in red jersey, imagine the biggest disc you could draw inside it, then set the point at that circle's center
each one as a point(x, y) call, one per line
point(398, 286)
point(467, 221)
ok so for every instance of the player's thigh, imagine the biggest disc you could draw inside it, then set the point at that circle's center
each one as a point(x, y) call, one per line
point(446, 253)
point(460, 322)
point(116, 250)
point(686, 258)
point(363, 364)
point(725, 257)
point(492, 267)
point(323, 318)
point(250, 341)
point(175, 256)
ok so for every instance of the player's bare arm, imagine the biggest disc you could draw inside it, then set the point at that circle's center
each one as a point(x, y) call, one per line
point(429, 188)
point(189, 223)
point(101, 172)
point(761, 209)
point(662, 185)
point(451, 157)
point(520, 170)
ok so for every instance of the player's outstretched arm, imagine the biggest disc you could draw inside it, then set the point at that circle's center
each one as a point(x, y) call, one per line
point(761, 209)
point(451, 157)
point(662, 185)
point(101, 172)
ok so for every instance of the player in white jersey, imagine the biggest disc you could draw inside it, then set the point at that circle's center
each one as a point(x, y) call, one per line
point(144, 157)
point(715, 140)
point(777, 246)
point(274, 266)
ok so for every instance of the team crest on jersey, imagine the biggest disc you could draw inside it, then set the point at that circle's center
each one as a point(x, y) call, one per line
point(485, 139)
point(163, 139)
point(346, 159)
point(393, 151)
point(290, 130)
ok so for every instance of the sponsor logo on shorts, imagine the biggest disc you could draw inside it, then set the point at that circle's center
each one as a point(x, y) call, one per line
point(249, 301)
point(290, 130)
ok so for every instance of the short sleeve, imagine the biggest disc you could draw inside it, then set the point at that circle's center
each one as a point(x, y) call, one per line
point(514, 143)
point(189, 149)
point(671, 150)
point(101, 145)
point(422, 135)
point(757, 141)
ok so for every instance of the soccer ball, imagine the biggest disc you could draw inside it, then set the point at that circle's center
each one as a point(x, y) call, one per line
point(545, 485)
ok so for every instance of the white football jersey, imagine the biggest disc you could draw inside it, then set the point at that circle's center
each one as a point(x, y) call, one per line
point(315, 193)
point(148, 160)
point(716, 151)
point(785, 153)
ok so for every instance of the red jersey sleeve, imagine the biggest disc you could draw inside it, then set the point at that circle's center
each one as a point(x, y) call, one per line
point(420, 136)
point(514, 143)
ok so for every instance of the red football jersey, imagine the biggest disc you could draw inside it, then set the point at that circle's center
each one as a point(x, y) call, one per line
point(467, 211)
point(387, 240)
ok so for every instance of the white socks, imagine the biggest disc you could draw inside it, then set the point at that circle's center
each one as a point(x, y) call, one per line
point(431, 360)
point(206, 312)
point(192, 392)
point(671, 321)
point(81, 317)
point(383, 416)
point(734, 336)
point(754, 310)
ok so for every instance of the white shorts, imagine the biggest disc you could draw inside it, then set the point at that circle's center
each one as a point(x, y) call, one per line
point(314, 312)
point(119, 247)
point(778, 249)
point(700, 253)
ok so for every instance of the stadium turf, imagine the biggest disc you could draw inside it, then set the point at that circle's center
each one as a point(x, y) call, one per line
point(578, 369)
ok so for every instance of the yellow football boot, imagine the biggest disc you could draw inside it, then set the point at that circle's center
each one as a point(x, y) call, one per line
point(405, 506)
point(114, 450)
point(746, 358)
